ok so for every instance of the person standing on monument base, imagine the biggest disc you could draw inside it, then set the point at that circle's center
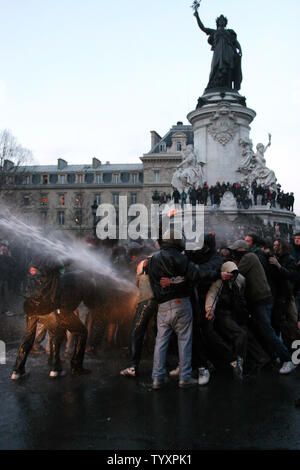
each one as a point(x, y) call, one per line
point(176, 196)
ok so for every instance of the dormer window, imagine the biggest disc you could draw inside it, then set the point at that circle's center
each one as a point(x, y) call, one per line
point(80, 179)
point(134, 178)
point(98, 178)
point(162, 147)
point(62, 179)
point(179, 146)
point(116, 178)
point(45, 179)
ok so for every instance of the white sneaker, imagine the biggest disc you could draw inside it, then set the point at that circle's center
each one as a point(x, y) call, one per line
point(287, 368)
point(55, 374)
point(17, 375)
point(129, 371)
point(174, 372)
point(204, 376)
point(9, 313)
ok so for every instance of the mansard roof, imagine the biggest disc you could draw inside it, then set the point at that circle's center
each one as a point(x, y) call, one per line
point(167, 139)
point(83, 168)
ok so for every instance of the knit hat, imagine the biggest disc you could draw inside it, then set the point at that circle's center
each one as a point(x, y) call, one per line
point(239, 244)
point(229, 267)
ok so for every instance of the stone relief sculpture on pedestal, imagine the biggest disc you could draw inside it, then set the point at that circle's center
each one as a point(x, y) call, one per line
point(228, 201)
point(253, 165)
point(223, 125)
point(189, 172)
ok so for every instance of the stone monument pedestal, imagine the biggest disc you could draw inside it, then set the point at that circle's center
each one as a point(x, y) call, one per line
point(220, 120)
point(221, 125)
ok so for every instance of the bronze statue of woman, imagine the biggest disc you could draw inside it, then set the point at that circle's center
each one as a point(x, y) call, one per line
point(226, 69)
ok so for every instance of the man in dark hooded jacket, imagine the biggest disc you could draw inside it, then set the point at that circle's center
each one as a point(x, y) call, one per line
point(41, 305)
point(175, 310)
point(205, 337)
point(209, 259)
point(284, 273)
point(296, 255)
point(260, 302)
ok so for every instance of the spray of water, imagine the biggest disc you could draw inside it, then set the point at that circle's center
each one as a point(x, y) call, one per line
point(80, 254)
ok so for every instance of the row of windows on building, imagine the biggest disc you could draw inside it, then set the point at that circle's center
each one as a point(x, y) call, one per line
point(72, 178)
point(77, 200)
point(61, 218)
point(77, 179)
point(163, 147)
point(77, 216)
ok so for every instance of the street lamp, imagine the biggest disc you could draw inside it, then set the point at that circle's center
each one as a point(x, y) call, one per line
point(94, 208)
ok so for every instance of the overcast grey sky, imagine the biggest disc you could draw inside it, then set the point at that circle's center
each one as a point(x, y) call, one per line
point(84, 78)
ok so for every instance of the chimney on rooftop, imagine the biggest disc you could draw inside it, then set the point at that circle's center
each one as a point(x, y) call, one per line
point(96, 163)
point(155, 138)
point(61, 164)
point(8, 165)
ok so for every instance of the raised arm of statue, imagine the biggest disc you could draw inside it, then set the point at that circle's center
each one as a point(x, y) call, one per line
point(269, 143)
point(181, 164)
point(201, 25)
point(238, 46)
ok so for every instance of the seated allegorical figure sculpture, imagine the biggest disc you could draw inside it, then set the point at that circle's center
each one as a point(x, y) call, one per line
point(189, 172)
point(247, 155)
point(253, 165)
point(263, 174)
point(226, 69)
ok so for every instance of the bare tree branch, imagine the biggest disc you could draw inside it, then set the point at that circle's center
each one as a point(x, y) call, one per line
point(13, 161)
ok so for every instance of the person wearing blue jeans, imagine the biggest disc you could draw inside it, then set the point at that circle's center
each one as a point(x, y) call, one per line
point(174, 306)
point(259, 298)
point(261, 318)
point(174, 315)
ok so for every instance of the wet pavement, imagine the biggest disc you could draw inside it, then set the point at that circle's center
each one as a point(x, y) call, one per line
point(107, 411)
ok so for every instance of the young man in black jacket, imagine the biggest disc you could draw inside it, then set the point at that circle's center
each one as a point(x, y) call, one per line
point(296, 256)
point(284, 274)
point(175, 310)
point(207, 338)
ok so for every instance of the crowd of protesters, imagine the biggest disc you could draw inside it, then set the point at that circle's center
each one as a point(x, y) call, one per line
point(237, 305)
point(246, 196)
point(232, 305)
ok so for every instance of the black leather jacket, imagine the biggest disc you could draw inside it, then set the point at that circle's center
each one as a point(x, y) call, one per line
point(170, 262)
point(210, 264)
point(296, 256)
point(285, 277)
